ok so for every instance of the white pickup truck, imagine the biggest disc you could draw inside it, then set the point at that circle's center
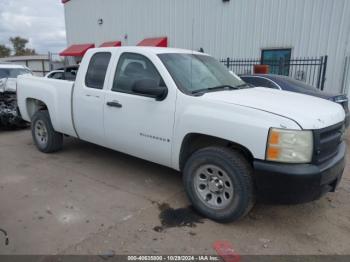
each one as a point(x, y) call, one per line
point(185, 110)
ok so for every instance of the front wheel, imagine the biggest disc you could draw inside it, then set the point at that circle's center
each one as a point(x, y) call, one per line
point(219, 183)
point(46, 139)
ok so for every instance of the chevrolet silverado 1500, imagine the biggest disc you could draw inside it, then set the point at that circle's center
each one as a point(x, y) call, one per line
point(184, 110)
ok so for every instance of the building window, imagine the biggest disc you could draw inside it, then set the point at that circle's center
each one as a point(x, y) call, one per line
point(277, 59)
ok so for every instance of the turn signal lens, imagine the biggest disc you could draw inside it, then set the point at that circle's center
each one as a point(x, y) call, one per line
point(273, 153)
point(289, 146)
point(274, 138)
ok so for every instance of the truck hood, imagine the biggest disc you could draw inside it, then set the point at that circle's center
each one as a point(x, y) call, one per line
point(309, 112)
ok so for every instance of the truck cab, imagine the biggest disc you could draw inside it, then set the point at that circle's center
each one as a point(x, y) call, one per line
point(183, 109)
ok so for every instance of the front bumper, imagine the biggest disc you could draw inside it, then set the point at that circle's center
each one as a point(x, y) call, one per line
point(298, 183)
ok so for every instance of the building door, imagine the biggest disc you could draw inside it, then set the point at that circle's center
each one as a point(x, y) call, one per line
point(277, 59)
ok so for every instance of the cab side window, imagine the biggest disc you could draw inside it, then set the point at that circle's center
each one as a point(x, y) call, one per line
point(96, 73)
point(132, 68)
point(57, 75)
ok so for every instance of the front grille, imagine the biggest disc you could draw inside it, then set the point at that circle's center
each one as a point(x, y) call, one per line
point(326, 142)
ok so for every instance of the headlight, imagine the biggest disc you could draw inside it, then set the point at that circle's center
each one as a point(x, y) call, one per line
point(289, 146)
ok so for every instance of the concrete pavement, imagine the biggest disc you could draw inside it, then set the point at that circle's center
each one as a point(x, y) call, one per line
point(90, 200)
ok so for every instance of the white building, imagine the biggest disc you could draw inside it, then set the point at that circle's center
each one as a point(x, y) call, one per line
point(223, 28)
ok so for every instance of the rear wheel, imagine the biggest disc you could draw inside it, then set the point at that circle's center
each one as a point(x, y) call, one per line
point(46, 139)
point(219, 183)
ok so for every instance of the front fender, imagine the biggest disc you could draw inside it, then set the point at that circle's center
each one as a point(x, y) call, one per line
point(244, 126)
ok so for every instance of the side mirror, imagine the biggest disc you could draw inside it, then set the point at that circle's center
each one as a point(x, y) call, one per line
point(150, 88)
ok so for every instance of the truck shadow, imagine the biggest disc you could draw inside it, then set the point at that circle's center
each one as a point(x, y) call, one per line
point(6, 129)
point(152, 181)
point(159, 184)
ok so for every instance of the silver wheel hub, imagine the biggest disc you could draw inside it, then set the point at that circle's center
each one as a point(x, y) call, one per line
point(40, 132)
point(213, 186)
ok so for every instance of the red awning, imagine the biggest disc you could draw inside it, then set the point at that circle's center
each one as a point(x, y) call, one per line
point(76, 50)
point(159, 42)
point(111, 44)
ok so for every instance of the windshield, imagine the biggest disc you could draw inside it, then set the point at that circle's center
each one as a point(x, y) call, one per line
point(193, 72)
point(13, 72)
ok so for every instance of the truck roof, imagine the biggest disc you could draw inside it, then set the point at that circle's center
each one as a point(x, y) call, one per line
point(154, 50)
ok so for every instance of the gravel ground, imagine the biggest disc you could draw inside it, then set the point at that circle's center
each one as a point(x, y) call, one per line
point(90, 200)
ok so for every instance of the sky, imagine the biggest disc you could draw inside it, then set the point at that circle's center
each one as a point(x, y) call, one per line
point(40, 21)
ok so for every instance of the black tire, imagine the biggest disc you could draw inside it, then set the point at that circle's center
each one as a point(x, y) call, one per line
point(54, 141)
point(237, 169)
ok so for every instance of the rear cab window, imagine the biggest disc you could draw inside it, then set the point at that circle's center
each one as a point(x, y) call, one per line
point(56, 75)
point(97, 70)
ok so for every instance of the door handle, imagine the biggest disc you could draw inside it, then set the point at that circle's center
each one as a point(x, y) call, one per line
point(88, 95)
point(114, 104)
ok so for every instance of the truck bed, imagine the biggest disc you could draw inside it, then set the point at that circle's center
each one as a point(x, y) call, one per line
point(56, 95)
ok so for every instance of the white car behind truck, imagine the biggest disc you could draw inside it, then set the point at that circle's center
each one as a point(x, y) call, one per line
point(9, 117)
point(184, 110)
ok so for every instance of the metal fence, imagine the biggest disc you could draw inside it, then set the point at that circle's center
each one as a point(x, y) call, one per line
point(56, 61)
point(309, 70)
point(346, 76)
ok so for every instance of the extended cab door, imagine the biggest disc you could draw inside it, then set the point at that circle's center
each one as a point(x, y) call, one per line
point(89, 97)
point(135, 124)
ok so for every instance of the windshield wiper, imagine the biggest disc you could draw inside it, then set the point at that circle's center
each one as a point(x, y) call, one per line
point(215, 88)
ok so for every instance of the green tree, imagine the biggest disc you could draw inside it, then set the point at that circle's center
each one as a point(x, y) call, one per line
point(19, 46)
point(29, 51)
point(4, 51)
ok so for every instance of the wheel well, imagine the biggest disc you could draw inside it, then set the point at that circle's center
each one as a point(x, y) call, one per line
point(193, 142)
point(35, 105)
